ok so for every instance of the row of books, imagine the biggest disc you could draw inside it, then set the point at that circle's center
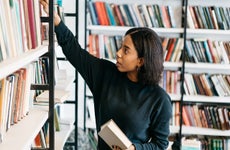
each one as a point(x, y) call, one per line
point(206, 84)
point(103, 13)
point(208, 17)
point(171, 82)
point(204, 116)
point(41, 72)
point(205, 143)
point(173, 49)
point(199, 17)
point(103, 46)
point(19, 27)
point(208, 51)
point(15, 98)
point(42, 138)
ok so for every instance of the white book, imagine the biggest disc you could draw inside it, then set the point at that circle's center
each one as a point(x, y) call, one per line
point(59, 96)
point(114, 136)
point(190, 144)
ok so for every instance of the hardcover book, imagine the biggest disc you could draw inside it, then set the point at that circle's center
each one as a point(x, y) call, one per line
point(114, 136)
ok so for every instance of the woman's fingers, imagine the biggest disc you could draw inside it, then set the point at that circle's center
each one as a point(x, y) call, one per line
point(116, 147)
point(45, 5)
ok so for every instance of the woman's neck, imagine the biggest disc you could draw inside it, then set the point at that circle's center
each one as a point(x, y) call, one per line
point(132, 76)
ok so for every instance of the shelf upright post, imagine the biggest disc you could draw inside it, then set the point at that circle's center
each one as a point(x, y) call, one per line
point(51, 75)
point(84, 113)
point(76, 81)
point(177, 143)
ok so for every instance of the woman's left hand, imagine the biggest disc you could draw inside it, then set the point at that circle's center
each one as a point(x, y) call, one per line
point(132, 147)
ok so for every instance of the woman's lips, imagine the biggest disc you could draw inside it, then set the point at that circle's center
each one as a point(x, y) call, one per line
point(118, 64)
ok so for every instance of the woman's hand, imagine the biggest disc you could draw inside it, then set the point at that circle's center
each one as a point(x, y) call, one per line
point(45, 5)
point(132, 147)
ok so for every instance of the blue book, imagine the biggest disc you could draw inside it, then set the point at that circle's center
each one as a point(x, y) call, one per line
point(110, 15)
point(93, 13)
point(207, 52)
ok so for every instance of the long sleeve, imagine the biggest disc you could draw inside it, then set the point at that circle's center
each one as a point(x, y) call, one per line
point(90, 67)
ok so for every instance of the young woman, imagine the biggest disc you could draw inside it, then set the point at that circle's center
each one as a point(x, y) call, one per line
point(128, 91)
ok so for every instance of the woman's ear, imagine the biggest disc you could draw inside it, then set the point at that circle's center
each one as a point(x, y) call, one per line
point(141, 62)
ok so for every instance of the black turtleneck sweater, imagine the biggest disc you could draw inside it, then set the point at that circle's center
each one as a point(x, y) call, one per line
point(141, 111)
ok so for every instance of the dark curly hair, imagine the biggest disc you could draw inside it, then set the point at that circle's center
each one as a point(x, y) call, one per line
point(148, 46)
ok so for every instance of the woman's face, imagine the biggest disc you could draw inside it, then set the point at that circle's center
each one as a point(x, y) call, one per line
point(127, 59)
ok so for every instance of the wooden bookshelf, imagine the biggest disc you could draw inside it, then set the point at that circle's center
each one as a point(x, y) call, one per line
point(22, 48)
point(22, 134)
point(10, 65)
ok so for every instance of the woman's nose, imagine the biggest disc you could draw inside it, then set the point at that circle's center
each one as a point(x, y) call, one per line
point(119, 53)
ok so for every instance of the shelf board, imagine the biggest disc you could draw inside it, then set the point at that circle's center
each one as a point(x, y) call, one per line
point(199, 67)
point(159, 2)
point(205, 131)
point(208, 33)
point(22, 134)
point(207, 68)
point(200, 131)
point(172, 65)
point(62, 135)
point(11, 65)
point(201, 98)
point(207, 99)
point(120, 30)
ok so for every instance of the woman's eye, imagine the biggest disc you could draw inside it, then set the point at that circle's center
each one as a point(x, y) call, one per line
point(126, 50)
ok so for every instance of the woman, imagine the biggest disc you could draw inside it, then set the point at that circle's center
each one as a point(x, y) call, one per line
point(128, 91)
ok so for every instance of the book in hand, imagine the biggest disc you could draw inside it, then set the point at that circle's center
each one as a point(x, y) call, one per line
point(113, 135)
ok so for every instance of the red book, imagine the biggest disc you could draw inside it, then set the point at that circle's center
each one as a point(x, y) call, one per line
point(32, 26)
point(117, 14)
point(171, 46)
point(104, 13)
point(185, 117)
point(166, 18)
point(101, 13)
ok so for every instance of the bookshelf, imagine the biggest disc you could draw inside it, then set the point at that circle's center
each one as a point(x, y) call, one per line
point(211, 102)
point(178, 31)
point(31, 118)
